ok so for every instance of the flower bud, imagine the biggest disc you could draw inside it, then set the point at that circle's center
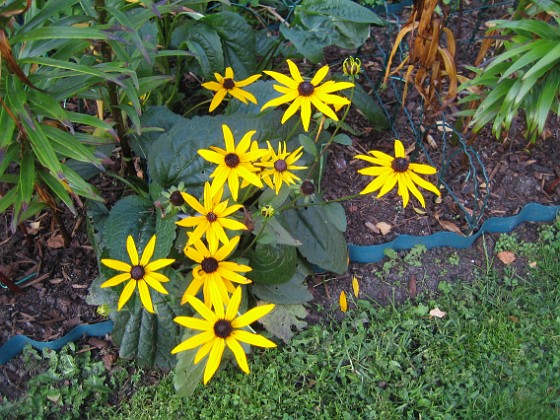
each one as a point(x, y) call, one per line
point(352, 66)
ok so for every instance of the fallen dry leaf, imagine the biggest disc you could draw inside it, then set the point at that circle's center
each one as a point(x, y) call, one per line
point(384, 228)
point(507, 257)
point(437, 313)
point(372, 227)
point(450, 226)
point(55, 242)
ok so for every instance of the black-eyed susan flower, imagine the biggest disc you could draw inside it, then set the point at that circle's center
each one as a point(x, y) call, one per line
point(220, 329)
point(213, 273)
point(141, 272)
point(212, 217)
point(227, 84)
point(278, 166)
point(389, 171)
point(234, 162)
point(302, 94)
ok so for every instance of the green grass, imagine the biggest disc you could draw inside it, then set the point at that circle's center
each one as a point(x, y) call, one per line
point(495, 354)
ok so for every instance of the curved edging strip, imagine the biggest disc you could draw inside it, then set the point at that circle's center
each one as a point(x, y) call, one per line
point(532, 212)
point(16, 344)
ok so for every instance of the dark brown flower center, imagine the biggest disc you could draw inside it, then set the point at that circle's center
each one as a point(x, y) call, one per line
point(307, 187)
point(176, 198)
point(400, 164)
point(222, 328)
point(228, 84)
point(232, 160)
point(137, 272)
point(280, 165)
point(211, 217)
point(306, 89)
point(209, 265)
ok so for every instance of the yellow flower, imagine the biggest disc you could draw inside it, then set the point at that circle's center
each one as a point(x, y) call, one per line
point(342, 301)
point(214, 274)
point(278, 166)
point(220, 329)
point(390, 170)
point(302, 94)
point(213, 218)
point(140, 272)
point(227, 84)
point(355, 286)
point(234, 162)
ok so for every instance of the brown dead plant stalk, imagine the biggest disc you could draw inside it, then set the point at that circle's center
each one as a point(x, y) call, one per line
point(429, 64)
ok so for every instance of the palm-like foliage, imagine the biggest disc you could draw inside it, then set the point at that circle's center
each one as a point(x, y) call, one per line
point(524, 76)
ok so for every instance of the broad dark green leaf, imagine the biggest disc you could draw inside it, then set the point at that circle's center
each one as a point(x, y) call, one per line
point(323, 244)
point(272, 264)
point(238, 42)
point(292, 292)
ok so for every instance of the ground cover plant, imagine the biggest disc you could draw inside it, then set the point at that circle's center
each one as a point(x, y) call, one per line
point(216, 126)
point(469, 350)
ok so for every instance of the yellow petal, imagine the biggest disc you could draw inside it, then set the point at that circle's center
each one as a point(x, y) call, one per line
point(214, 359)
point(126, 293)
point(145, 297)
point(116, 265)
point(239, 353)
point(399, 149)
point(194, 341)
point(234, 303)
point(148, 252)
point(320, 75)
point(252, 339)
point(251, 316)
point(154, 284)
point(131, 249)
point(202, 309)
point(355, 286)
point(342, 301)
point(157, 264)
point(118, 279)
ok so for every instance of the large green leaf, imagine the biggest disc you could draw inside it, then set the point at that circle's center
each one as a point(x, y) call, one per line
point(147, 337)
point(272, 264)
point(292, 292)
point(138, 217)
point(322, 23)
point(187, 374)
point(204, 42)
point(323, 244)
point(238, 42)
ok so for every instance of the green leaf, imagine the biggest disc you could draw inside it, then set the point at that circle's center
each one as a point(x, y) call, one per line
point(26, 181)
point(134, 216)
point(155, 121)
point(308, 145)
point(366, 105)
point(68, 146)
point(146, 337)
point(58, 189)
point(546, 63)
point(273, 232)
point(272, 264)
point(321, 23)
point(187, 375)
point(238, 42)
point(323, 244)
point(292, 292)
point(205, 43)
point(8, 199)
point(283, 319)
point(8, 156)
point(7, 133)
point(343, 139)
